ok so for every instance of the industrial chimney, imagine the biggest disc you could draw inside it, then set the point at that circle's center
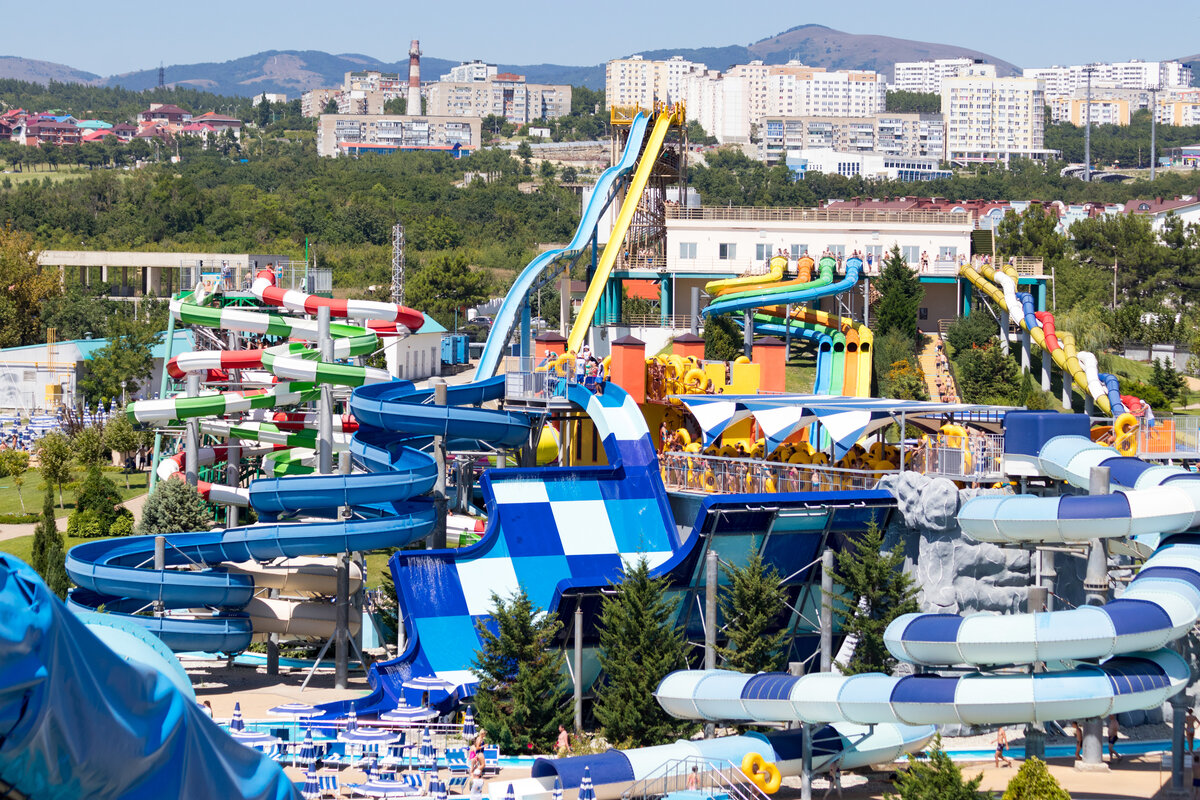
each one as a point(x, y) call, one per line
point(413, 103)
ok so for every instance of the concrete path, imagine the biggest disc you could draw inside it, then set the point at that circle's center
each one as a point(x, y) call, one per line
point(134, 504)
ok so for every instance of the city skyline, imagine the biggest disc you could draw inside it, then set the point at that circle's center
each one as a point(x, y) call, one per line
point(105, 41)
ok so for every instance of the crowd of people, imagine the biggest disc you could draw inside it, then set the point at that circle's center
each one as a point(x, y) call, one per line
point(943, 380)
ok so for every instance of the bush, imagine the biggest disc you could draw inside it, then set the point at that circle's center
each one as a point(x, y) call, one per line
point(18, 519)
point(939, 778)
point(986, 375)
point(123, 526)
point(964, 333)
point(1034, 782)
point(86, 525)
point(722, 338)
point(175, 507)
point(99, 495)
point(1147, 394)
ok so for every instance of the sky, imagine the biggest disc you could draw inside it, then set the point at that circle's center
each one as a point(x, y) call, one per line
point(120, 36)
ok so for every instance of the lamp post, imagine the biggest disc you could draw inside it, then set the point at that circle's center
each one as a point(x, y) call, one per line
point(1114, 277)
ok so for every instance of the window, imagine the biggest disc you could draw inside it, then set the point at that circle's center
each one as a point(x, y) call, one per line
point(837, 250)
point(923, 313)
point(912, 255)
point(875, 251)
point(687, 251)
point(947, 253)
point(727, 251)
point(762, 252)
point(799, 250)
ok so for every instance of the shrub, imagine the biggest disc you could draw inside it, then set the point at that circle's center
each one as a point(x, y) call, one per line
point(964, 333)
point(1034, 782)
point(123, 526)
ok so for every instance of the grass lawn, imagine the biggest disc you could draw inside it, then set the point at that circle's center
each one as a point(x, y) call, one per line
point(22, 547)
point(801, 373)
point(25, 175)
point(10, 503)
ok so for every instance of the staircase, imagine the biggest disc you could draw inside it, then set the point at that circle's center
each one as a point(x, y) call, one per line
point(983, 243)
point(929, 366)
point(714, 778)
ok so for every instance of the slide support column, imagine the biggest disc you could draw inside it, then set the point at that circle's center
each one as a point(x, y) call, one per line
point(806, 761)
point(162, 393)
point(695, 311)
point(578, 668)
point(1035, 736)
point(160, 564)
point(1179, 704)
point(191, 452)
point(1046, 362)
point(748, 332)
point(325, 404)
point(1066, 389)
point(1095, 586)
point(437, 537)
point(827, 610)
point(1004, 332)
point(341, 637)
point(710, 619)
point(1026, 351)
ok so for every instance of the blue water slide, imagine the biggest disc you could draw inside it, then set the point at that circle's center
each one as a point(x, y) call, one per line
point(1112, 384)
point(508, 317)
point(809, 333)
point(549, 530)
point(96, 709)
point(798, 295)
point(1028, 308)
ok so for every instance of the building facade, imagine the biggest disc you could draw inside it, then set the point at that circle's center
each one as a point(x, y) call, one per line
point(916, 135)
point(1069, 81)
point(926, 76)
point(503, 94)
point(994, 119)
point(339, 134)
point(390, 83)
point(470, 72)
point(1102, 110)
point(313, 102)
point(873, 166)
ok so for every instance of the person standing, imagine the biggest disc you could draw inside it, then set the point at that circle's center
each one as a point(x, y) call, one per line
point(1189, 723)
point(1001, 746)
point(1114, 728)
point(563, 746)
point(835, 779)
point(1078, 739)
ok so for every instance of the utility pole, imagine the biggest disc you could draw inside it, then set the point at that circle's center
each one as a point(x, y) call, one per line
point(1087, 131)
point(398, 264)
point(1153, 130)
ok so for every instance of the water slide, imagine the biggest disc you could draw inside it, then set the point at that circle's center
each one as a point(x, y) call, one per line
point(509, 316)
point(1001, 287)
point(856, 342)
point(616, 237)
point(93, 707)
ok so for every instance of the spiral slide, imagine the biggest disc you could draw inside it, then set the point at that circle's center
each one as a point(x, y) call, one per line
point(93, 707)
point(616, 238)
point(508, 317)
point(1081, 366)
point(1160, 604)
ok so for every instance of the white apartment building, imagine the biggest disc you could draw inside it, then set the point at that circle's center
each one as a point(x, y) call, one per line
point(1104, 110)
point(993, 119)
point(1179, 108)
point(470, 72)
point(887, 133)
point(718, 103)
point(796, 91)
point(504, 94)
point(926, 76)
point(877, 166)
point(390, 83)
point(359, 101)
point(354, 134)
point(635, 81)
point(1071, 81)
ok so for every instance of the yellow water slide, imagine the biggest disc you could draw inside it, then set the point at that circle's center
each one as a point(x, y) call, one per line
point(777, 265)
point(860, 341)
point(616, 238)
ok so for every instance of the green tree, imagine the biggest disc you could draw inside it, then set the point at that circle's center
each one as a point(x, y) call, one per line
point(1164, 378)
point(524, 152)
point(902, 102)
point(900, 295)
point(48, 558)
point(986, 375)
point(977, 330)
point(522, 695)
point(97, 505)
point(722, 338)
point(14, 464)
point(445, 285)
point(936, 778)
point(54, 461)
point(331, 106)
point(120, 367)
point(639, 646)
point(877, 590)
point(87, 445)
point(119, 436)
point(1034, 782)
point(26, 287)
point(751, 603)
point(174, 507)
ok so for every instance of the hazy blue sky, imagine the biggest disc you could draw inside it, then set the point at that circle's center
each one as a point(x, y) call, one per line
point(115, 36)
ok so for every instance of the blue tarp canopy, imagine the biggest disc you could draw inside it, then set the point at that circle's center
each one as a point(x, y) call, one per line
point(846, 419)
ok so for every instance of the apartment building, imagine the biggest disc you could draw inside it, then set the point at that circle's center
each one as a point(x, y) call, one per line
point(927, 76)
point(390, 83)
point(994, 119)
point(353, 134)
point(503, 94)
point(887, 133)
point(470, 72)
point(1179, 108)
point(313, 102)
point(797, 90)
point(877, 166)
point(1103, 110)
point(1071, 81)
point(635, 81)
point(360, 101)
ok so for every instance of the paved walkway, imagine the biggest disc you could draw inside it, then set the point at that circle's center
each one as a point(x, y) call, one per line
point(134, 504)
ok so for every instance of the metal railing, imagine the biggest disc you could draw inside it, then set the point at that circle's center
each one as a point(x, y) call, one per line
point(724, 475)
point(673, 321)
point(706, 777)
point(977, 457)
point(752, 214)
point(539, 379)
point(1175, 436)
point(238, 278)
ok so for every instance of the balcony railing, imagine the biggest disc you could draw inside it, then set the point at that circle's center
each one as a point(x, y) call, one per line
point(869, 215)
point(216, 274)
point(1177, 436)
point(539, 380)
point(722, 475)
point(975, 458)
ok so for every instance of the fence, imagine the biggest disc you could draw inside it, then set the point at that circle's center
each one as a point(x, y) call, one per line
point(539, 379)
point(1177, 436)
point(672, 321)
point(221, 275)
point(751, 214)
point(699, 778)
point(724, 475)
point(978, 457)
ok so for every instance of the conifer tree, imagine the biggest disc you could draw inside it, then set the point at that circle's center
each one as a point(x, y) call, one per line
point(900, 295)
point(751, 604)
point(639, 646)
point(936, 778)
point(48, 557)
point(522, 695)
point(877, 591)
point(175, 507)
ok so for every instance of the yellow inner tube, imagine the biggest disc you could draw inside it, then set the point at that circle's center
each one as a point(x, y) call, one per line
point(1125, 429)
point(761, 773)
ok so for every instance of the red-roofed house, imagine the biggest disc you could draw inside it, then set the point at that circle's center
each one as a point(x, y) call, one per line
point(165, 112)
point(97, 135)
point(125, 132)
point(1186, 208)
point(36, 131)
point(220, 122)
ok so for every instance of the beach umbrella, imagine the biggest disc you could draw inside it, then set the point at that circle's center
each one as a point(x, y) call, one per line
point(428, 683)
point(382, 788)
point(468, 729)
point(511, 794)
point(255, 738)
point(237, 723)
point(558, 792)
point(408, 714)
point(308, 750)
point(586, 790)
point(312, 788)
point(440, 791)
point(294, 710)
point(351, 720)
point(426, 754)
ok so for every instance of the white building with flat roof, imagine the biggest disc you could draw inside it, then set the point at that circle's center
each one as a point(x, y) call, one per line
point(1070, 81)
point(994, 119)
point(926, 76)
point(470, 72)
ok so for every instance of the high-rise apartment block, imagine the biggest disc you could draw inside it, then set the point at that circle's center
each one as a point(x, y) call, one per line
point(908, 135)
point(503, 94)
point(1072, 81)
point(470, 72)
point(927, 76)
point(993, 119)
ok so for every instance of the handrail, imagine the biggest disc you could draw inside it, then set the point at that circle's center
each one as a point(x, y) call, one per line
point(757, 214)
point(712, 776)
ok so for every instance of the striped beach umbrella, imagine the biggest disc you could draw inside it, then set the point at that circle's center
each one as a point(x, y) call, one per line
point(511, 793)
point(440, 791)
point(408, 714)
point(237, 723)
point(557, 794)
point(586, 790)
point(351, 720)
point(312, 788)
point(426, 755)
point(308, 750)
point(468, 728)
